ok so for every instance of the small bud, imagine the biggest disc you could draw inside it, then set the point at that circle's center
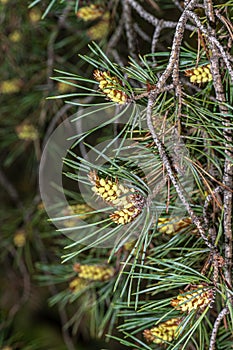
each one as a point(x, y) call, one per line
point(90, 13)
point(197, 297)
point(83, 209)
point(125, 216)
point(110, 87)
point(128, 246)
point(63, 87)
point(27, 132)
point(78, 284)
point(15, 36)
point(19, 238)
point(111, 192)
point(104, 188)
point(164, 332)
point(94, 272)
point(101, 29)
point(199, 75)
point(10, 86)
point(34, 15)
point(129, 202)
point(77, 212)
point(174, 225)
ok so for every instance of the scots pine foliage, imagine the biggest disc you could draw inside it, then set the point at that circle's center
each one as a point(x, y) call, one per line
point(147, 229)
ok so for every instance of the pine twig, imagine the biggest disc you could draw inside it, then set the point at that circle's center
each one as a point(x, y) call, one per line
point(116, 36)
point(217, 323)
point(152, 19)
point(130, 34)
point(228, 138)
point(176, 44)
point(168, 166)
point(147, 93)
point(178, 91)
point(144, 14)
point(155, 37)
point(209, 10)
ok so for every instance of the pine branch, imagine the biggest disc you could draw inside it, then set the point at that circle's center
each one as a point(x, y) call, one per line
point(169, 251)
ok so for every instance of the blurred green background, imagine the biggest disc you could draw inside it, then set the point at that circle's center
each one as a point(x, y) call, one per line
point(31, 48)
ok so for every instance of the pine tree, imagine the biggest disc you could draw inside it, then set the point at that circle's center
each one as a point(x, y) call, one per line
point(142, 254)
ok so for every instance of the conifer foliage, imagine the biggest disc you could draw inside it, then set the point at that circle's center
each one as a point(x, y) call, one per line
point(144, 256)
